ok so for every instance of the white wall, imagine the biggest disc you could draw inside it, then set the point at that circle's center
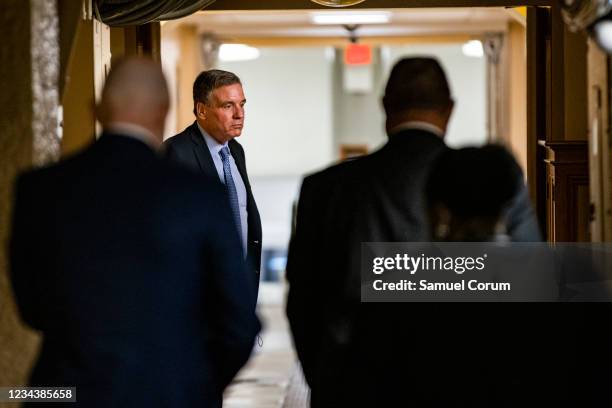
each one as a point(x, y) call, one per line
point(275, 196)
point(467, 77)
point(288, 123)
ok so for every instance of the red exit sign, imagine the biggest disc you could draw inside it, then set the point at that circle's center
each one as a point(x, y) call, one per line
point(358, 54)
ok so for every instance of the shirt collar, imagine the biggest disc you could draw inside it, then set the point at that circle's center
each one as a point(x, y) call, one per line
point(134, 131)
point(418, 125)
point(212, 144)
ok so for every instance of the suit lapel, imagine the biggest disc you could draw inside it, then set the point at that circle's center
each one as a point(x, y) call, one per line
point(202, 154)
point(239, 159)
point(253, 221)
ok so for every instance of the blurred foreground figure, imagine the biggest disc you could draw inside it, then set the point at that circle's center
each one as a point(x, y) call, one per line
point(141, 295)
point(469, 192)
point(385, 354)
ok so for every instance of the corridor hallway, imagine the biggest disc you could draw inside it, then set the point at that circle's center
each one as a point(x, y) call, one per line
point(272, 378)
point(546, 95)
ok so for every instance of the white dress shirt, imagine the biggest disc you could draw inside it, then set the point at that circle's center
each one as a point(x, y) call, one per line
point(426, 126)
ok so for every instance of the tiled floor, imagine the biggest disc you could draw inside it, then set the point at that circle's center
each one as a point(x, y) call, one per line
point(271, 379)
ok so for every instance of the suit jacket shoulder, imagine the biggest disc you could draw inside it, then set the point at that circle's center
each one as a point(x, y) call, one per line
point(180, 143)
point(331, 174)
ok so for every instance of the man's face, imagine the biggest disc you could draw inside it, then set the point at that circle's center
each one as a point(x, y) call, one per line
point(223, 116)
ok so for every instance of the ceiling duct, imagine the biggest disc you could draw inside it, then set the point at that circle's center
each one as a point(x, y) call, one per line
point(116, 13)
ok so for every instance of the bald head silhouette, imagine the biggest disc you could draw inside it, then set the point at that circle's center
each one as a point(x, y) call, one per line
point(135, 93)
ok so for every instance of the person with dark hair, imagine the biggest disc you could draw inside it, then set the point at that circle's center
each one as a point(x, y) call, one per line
point(552, 354)
point(209, 147)
point(127, 264)
point(371, 354)
point(469, 192)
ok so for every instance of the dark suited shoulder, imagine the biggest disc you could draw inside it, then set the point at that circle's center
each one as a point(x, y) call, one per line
point(39, 177)
point(329, 175)
point(180, 139)
point(179, 147)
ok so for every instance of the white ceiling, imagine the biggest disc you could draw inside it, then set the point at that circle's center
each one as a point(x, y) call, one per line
point(404, 22)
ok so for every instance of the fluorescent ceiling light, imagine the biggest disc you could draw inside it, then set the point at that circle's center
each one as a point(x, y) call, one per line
point(473, 49)
point(603, 34)
point(344, 17)
point(237, 52)
point(337, 3)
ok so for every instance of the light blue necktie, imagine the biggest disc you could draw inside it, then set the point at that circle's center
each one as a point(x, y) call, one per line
point(232, 193)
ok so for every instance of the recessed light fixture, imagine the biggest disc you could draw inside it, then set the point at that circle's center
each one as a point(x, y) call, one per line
point(344, 17)
point(237, 52)
point(337, 3)
point(473, 49)
point(603, 34)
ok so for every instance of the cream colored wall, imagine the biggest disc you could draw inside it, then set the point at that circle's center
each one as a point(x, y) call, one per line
point(188, 66)
point(170, 58)
point(79, 97)
point(88, 65)
point(600, 163)
point(517, 92)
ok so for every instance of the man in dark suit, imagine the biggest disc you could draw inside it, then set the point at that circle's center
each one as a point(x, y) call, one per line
point(127, 264)
point(209, 146)
point(357, 354)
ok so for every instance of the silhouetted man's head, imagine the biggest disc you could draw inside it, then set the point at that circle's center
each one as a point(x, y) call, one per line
point(469, 191)
point(135, 92)
point(417, 90)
